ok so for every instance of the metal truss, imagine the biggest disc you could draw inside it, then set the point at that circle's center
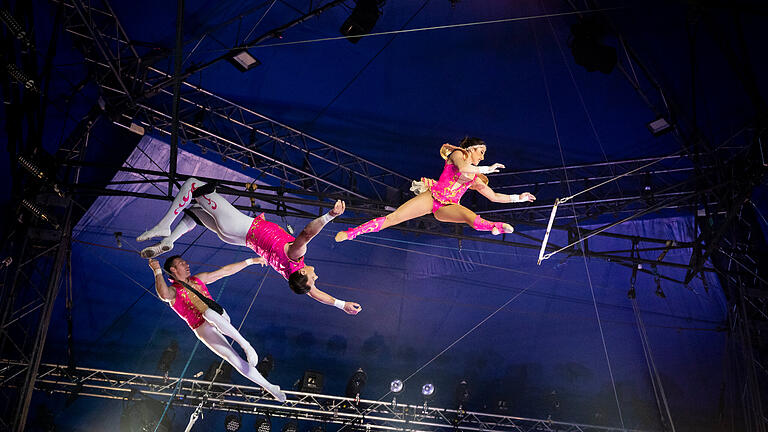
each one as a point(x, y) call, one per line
point(213, 123)
point(39, 254)
point(348, 413)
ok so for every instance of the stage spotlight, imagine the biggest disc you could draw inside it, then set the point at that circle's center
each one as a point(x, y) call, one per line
point(37, 211)
point(462, 394)
point(311, 382)
point(262, 424)
point(242, 60)
point(167, 357)
point(219, 374)
point(502, 406)
point(355, 384)
point(427, 390)
point(586, 46)
point(363, 18)
point(660, 126)
point(290, 426)
point(233, 422)
point(265, 366)
point(396, 386)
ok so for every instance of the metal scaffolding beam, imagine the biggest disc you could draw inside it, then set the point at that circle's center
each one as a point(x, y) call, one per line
point(376, 415)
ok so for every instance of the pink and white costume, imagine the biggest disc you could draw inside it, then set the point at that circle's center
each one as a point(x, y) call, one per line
point(183, 306)
point(447, 190)
point(268, 240)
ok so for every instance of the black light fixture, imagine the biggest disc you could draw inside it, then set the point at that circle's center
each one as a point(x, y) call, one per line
point(290, 426)
point(355, 384)
point(265, 366)
point(362, 19)
point(502, 406)
point(647, 191)
point(311, 382)
point(427, 392)
point(168, 355)
point(660, 126)
point(242, 60)
point(233, 422)
point(587, 47)
point(220, 372)
point(262, 423)
point(462, 394)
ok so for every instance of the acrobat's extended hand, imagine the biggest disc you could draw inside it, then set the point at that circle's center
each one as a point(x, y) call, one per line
point(153, 264)
point(490, 169)
point(338, 208)
point(527, 196)
point(258, 260)
point(352, 308)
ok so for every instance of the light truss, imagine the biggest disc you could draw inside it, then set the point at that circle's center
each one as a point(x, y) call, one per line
point(372, 415)
point(216, 124)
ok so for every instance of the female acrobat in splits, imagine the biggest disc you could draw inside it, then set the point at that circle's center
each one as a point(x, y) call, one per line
point(441, 197)
point(201, 204)
point(209, 325)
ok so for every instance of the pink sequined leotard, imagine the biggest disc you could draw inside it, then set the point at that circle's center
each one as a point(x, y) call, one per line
point(268, 240)
point(183, 305)
point(450, 187)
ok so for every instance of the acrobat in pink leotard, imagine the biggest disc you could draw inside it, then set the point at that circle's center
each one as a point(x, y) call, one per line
point(183, 305)
point(268, 240)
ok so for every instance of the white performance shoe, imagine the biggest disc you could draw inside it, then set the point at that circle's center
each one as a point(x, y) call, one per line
point(156, 250)
point(275, 391)
point(154, 232)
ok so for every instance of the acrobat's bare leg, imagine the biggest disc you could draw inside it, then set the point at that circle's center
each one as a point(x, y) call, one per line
point(182, 200)
point(222, 323)
point(457, 213)
point(214, 340)
point(413, 208)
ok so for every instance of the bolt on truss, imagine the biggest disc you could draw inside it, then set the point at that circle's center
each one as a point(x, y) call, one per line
point(375, 415)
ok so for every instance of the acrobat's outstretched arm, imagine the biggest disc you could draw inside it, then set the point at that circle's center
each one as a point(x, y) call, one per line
point(487, 192)
point(460, 160)
point(350, 308)
point(298, 248)
point(229, 269)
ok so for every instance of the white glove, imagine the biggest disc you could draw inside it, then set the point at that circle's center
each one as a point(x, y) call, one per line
point(489, 169)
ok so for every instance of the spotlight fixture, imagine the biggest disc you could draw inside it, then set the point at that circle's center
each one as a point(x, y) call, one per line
point(427, 390)
point(233, 422)
point(362, 19)
point(502, 406)
point(462, 394)
point(660, 126)
point(119, 239)
point(355, 384)
point(265, 366)
point(587, 48)
point(16, 29)
point(242, 60)
point(168, 355)
point(219, 374)
point(396, 386)
point(263, 424)
point(311, 382)
point(22, 78)
point(290, 426)
point(37, 211)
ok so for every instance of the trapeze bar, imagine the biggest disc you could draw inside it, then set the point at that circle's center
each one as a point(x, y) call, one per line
point(546, 234)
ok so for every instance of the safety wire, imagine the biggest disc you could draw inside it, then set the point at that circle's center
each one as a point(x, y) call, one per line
point(575, 216)
point(422, 29)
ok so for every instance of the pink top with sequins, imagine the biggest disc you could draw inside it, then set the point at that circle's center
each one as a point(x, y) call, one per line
point(268, 240)
point(183, 305)
point(444, 189)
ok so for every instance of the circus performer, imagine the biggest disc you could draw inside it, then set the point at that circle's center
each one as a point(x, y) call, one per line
point(200, 203)
point(441, 197)
point(207, 319)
